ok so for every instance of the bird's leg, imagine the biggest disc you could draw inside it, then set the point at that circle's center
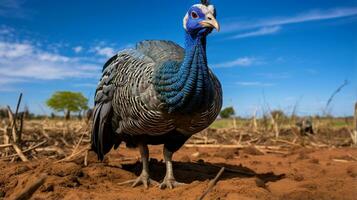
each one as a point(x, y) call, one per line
point(144, 177)
point(169, 180)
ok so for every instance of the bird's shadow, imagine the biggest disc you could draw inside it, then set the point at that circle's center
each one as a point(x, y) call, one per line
point(188, 172)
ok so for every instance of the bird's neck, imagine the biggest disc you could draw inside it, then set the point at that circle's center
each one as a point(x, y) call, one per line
point(186, 87)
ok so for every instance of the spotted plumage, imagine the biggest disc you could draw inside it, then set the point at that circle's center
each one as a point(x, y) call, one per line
point(158, 93)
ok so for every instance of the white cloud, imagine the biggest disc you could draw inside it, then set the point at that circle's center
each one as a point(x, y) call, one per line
point(4, 30)
point(45, 56)
point(239, 62)
point(104, 51)
point(6, 83)
point(6, 80)
point(24, 61)
point(269, 75)
point(274, 25)
point(15, 50)
point(77, 49)
point(255, 83)
point(13, 9)
point(314, 15)
point(262, 31)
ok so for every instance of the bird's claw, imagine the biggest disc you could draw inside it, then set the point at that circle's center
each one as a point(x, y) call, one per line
point(170, 183)
point(142, 179)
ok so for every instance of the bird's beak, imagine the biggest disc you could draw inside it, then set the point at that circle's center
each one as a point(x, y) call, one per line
point(210, 22)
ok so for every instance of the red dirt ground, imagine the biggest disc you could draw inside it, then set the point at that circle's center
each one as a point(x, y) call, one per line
point(301, 174)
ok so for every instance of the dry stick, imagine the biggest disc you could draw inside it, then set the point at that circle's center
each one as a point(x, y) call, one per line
point(5, 145)
point(24, 151)
point(234, 123)
point(65, 142)
point(216, 145)
point(35, 146)
point(275, 126)
point(74, 155)
point(28, 191)
point(79, 142)
point(6, 140)
point(20, 153)
point(340, 160)
point(354, 132)
point(212, 183)
point(19, 132)
point(293, 113)
point(52, 148)
point(333, 95)
point(285, 141)
point(15, 131)
point(86, 159)
point(228, 146)
point(43, 131)
point(15, 118)
point(12, 121)
point(10, 115)
point(255, 126)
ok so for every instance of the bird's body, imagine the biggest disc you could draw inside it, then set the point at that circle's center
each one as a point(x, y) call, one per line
point(156, 93)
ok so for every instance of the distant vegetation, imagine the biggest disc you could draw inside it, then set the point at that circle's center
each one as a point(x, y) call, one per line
point(227, 112)
point(67, 102)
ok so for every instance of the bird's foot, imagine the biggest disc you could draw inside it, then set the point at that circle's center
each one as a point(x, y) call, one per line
point(170, 183)
point(143, 179)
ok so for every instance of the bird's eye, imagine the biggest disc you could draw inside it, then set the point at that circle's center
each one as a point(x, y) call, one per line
point(194, 15)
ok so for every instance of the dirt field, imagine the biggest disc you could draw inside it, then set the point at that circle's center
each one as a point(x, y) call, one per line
point(301, 174)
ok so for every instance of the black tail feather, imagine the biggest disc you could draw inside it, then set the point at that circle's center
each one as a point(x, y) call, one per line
point(103, 137)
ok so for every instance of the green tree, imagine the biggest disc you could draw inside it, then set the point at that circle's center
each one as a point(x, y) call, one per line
point(227, 112)
point(67, 102)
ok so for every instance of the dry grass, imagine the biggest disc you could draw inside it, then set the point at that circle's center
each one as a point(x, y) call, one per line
point(58, 139)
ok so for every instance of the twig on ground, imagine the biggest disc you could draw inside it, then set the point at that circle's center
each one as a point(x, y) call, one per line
point(20, 153)
point(52, 148)
point(212, 183)
point(287, 142)
point(65, 142)
point(215, 145)
point(74, 156)
point(5, 145)
point(340, 160)
point(86, 159)
point(24, 151)
point(28, 191)
point(77, 145)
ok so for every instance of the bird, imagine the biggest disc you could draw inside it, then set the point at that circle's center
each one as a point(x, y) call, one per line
point(158, 93)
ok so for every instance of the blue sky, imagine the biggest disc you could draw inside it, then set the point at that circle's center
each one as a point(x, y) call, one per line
point(268, 54)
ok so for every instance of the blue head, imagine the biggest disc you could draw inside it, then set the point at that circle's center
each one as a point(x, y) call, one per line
point(200, 19)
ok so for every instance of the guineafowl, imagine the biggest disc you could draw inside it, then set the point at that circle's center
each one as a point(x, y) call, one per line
point(158, 93)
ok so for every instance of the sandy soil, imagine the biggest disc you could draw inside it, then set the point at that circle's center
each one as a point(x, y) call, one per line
point(301, 174)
